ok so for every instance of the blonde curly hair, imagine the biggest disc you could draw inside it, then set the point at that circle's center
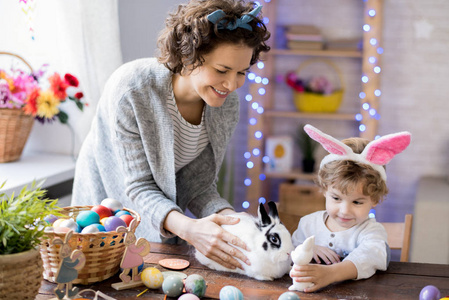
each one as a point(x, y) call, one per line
point(346, 175)
point(188, 34)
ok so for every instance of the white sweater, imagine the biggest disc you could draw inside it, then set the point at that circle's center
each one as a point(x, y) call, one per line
point(365, 244)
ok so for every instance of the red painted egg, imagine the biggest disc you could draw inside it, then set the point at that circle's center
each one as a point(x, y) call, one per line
point(102, 211)
point(127, 219)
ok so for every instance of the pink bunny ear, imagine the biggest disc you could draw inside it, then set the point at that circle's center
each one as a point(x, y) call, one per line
point(382, 150)
point(332, 145)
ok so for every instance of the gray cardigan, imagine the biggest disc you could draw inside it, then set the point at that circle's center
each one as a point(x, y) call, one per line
point(128, 154)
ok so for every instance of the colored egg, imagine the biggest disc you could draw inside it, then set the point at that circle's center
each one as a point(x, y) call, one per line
point(61, 229)
point(111, 223)
point(99, 226)
point(50, 218)
point(102, 211)
point(230, 292)
point(90, 229)
point(58, 222)
point(127, 219)
point(195, 284)
point(288, 296)
point(172, 286)
point(430, 292)
point(70, 223)
point(121, 213)
point(152, 278)
point(189, 297)
point(102, 221)
point(87, 217)
point(112, 204)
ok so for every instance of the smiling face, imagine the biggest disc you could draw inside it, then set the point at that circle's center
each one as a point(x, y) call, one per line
point(346, 210)
point(223, 71)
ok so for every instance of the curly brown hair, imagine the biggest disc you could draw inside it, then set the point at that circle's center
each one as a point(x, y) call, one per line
point(188, 34)
point(346, 175)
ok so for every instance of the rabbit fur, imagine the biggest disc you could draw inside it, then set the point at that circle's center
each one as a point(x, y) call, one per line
point(267, 238)
point(302, 255)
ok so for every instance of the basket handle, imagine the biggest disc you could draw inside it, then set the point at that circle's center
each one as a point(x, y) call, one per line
point(337, 70)
point(19, 57)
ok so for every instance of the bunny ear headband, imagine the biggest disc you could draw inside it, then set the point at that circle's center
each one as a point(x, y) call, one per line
point(376, 154)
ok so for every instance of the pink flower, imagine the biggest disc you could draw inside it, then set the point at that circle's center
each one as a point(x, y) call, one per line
point(58, 86)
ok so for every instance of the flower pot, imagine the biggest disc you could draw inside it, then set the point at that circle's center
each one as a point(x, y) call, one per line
point(15, 128)
point(20, 275)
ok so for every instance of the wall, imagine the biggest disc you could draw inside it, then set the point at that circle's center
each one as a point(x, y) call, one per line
point(414, 88)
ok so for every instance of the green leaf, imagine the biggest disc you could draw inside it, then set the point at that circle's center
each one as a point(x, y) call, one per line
point(63, 117)
point(79, 104)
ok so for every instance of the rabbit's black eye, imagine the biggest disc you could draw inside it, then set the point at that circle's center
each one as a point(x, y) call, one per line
point(274, 240)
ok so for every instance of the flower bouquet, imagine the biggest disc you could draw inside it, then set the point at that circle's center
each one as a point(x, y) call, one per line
point(316, 94)
point(26, 96)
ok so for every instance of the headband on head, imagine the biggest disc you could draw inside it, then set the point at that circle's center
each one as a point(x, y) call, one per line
point(376, 154)
point(242, 22)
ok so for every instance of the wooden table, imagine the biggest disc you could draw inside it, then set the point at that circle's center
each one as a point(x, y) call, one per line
point(400, 281)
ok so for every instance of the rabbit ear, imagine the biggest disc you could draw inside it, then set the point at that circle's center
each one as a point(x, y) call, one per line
point(68, 236)
point(382, 150)
point(273, 211)
point(121, 229)
point(332, 145)
point(57, 241)
point(132, 225)
point(263, 216)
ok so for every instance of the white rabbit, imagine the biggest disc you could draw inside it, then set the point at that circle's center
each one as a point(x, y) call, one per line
point(267, 238)
point(302, 255)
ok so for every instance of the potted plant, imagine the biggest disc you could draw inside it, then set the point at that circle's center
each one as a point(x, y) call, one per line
point(22, 225)
point(307, 146)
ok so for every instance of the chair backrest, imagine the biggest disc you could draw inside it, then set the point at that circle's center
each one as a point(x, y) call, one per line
point(399, 235)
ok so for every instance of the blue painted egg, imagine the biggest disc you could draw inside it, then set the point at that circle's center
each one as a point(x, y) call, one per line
point(121, 213)
point(99, 226)
point(112, 204)
point(230, 292)
point(90, 229)
point(189, 297)
point(87, 217)
point(430, 292)
point(111, 223)
point(172, 286)
point(195, 284)
point(288, 296)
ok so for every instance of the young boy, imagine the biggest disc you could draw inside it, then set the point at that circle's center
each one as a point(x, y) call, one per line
point(353, 179)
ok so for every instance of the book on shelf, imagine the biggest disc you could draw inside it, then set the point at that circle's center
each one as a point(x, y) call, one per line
point(345, 44)
point(303, 33)
point(305, 45)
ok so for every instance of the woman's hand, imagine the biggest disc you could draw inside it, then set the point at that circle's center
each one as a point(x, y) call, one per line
point(208, 237)
point(327, 255)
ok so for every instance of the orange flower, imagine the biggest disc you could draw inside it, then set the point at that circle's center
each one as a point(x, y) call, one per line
point(30, 107)
point(58, 86)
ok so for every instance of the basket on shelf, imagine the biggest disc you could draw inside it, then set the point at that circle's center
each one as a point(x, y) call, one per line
point(15, 127)
point(103, 250)
point(319, 103)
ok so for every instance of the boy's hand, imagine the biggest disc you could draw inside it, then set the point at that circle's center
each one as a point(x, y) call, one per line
point(319, 275)
point(326, 254)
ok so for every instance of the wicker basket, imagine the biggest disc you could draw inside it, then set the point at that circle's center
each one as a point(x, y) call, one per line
point(103, 250)
point(15, 128)
point(318, 103)
point(20, 275)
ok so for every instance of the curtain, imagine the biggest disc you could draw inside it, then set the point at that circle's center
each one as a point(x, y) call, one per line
point(79, 37)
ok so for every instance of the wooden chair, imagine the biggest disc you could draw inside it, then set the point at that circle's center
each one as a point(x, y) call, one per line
point(399, 236)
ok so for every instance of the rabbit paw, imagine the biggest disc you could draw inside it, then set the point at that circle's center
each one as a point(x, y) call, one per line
point(137, 278)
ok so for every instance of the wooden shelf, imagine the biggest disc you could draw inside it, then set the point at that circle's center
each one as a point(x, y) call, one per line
point(301, 115)
point(325, 53)
point(295, 174)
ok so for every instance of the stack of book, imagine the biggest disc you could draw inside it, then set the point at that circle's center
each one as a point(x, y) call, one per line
point(304, 37)
point(345, 44)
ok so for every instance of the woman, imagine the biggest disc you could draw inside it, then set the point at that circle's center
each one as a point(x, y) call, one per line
point(162, 127)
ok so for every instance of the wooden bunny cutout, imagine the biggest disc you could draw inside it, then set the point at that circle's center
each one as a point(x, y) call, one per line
point(132, 257)
point(302, 255)
point(70, 263)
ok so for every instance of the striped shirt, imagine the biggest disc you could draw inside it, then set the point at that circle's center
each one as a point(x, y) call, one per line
point(190, 139)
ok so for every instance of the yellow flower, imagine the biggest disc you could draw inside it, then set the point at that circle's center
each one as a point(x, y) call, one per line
point(8, 79)
point(47, 104)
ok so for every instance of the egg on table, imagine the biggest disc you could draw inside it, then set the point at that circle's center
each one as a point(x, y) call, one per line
point(172, 286)
point(288, 296)
point(189, 297)
point(152, 278)
point(230, 292)
point(195, 284)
